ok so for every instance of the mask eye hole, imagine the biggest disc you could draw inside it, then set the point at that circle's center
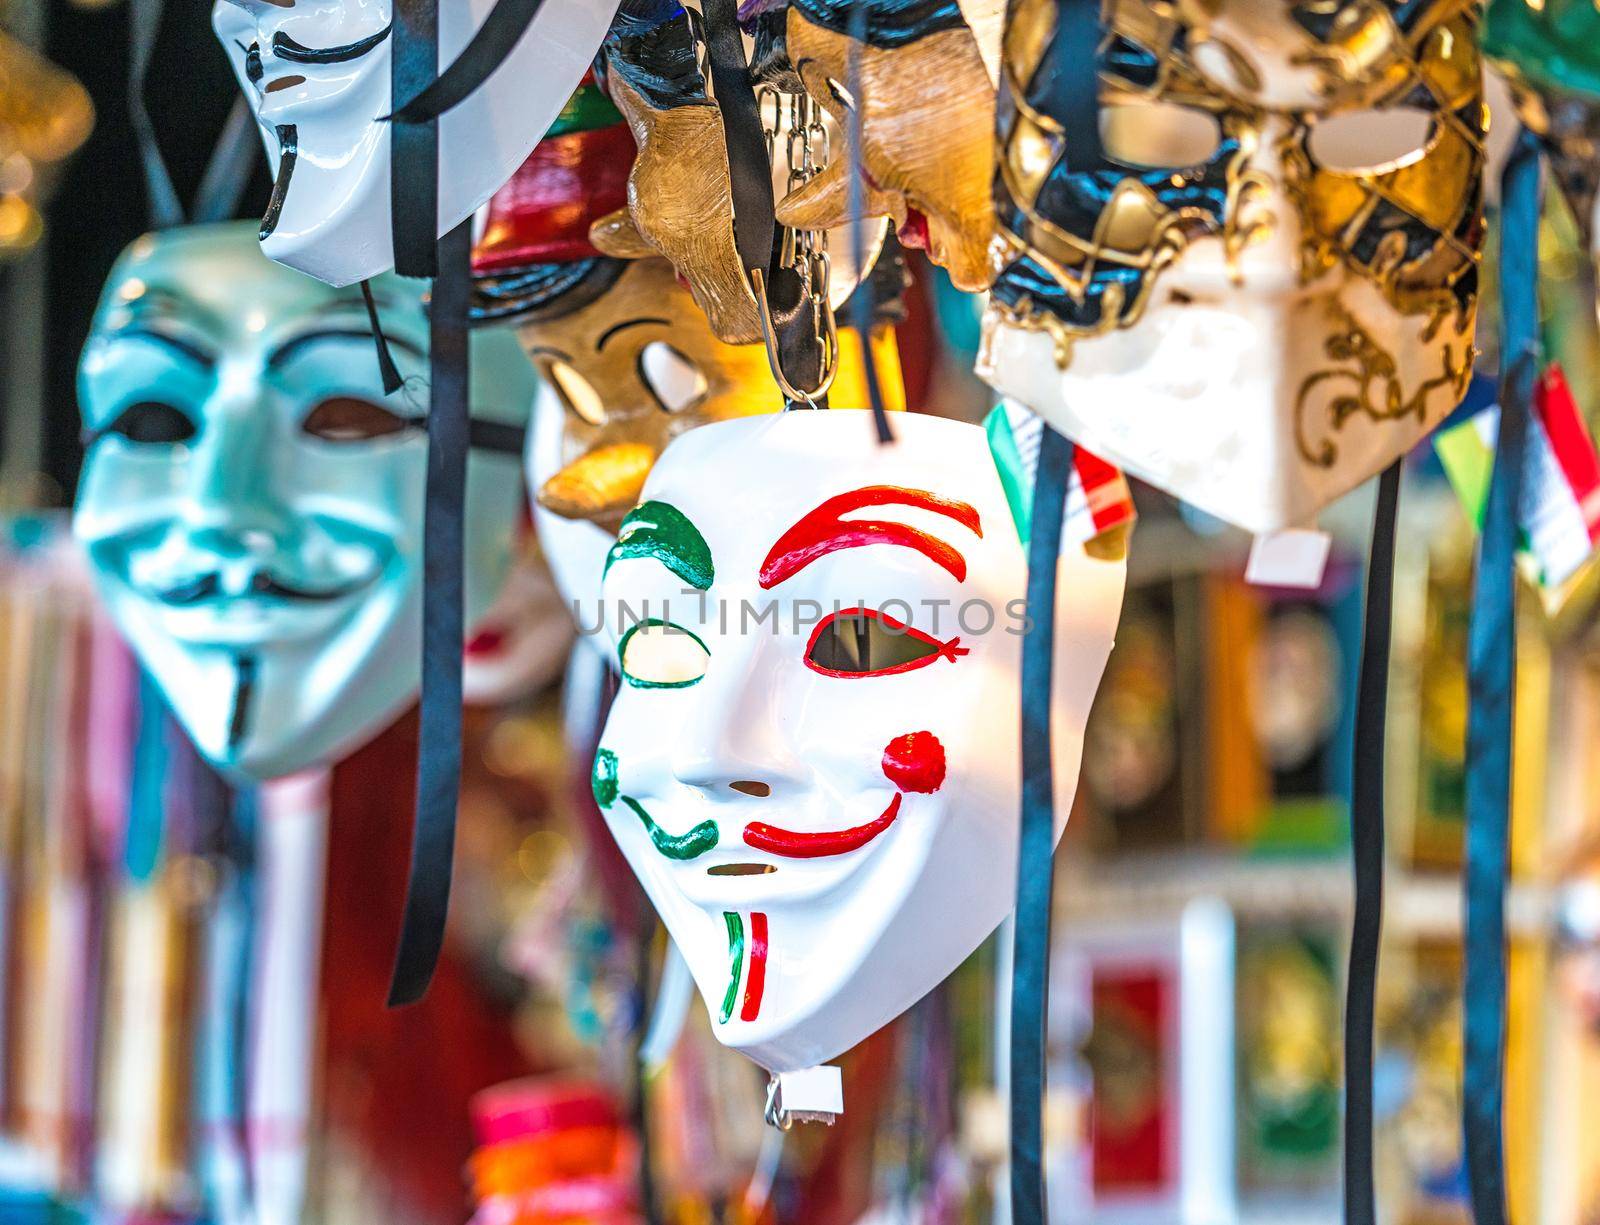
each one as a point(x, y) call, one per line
point(674, 380)
point(153, 423)
point(1159, 135)
point(859, 642)
point(577, 392)
point(657, 654)
point(350, 419)
point(1370, 142)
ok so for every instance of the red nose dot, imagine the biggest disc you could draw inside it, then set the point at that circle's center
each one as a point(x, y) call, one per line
point(915, 762)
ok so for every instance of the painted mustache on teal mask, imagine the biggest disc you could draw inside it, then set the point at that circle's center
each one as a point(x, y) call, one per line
point(209, 586)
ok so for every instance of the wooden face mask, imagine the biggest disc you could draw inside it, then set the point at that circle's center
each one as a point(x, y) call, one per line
point(927, 131)
point(812, 761)
point(1270, 292)
point(635, 367)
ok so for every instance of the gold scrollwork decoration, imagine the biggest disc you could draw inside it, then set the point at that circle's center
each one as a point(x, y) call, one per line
point(1372, 389)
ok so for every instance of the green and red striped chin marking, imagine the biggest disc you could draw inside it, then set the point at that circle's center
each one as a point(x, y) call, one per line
point(751, 970)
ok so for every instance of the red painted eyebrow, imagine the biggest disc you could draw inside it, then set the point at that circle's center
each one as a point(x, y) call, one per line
point(821, 531)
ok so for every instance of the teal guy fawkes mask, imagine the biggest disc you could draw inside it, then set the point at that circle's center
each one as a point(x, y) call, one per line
point(252, 502)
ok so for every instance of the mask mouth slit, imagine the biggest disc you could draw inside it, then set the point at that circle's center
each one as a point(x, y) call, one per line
point(288, 82)
point(741, 869)
point(747, 787)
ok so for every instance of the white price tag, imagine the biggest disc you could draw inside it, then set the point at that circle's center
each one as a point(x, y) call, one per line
point(1294, 557)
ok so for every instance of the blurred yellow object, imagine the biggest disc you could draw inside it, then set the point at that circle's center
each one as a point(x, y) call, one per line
point(44, 116)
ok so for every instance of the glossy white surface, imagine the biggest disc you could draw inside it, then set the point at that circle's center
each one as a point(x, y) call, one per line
point(335, 218)
point(855, 937)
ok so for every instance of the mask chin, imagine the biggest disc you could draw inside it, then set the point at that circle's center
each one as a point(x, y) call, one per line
point(325, 198)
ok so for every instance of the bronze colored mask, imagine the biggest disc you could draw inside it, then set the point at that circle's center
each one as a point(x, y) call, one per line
point(1253, 264)
point(927, 130)
point(638, 365)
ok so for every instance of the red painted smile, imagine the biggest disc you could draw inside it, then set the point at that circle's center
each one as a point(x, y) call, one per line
point(792, 844)
point(912, 762)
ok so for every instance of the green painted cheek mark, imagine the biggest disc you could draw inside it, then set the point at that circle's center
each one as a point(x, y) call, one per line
point(603, 782)
point(603, 778)
point(662, 531)
point(735, 961)
point(692, 845)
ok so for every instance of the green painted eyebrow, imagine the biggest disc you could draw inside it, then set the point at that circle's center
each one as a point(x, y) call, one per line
point(662, 531)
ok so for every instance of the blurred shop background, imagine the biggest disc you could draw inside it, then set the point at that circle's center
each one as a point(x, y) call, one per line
point(1203, 887)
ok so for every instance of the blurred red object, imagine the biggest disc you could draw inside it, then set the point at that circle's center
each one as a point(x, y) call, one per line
point(554, 1152)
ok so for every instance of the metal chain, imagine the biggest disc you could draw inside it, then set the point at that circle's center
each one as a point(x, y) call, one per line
point(807, 150)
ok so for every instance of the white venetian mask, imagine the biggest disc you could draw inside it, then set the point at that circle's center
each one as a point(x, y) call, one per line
point(823, 803)
point(317, 72)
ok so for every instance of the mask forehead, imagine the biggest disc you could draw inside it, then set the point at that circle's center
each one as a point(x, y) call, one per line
point(775, 477)
point(1320, 56)
point(216, 278)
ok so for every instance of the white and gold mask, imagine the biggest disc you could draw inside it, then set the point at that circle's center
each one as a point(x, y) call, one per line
point(1268, 294)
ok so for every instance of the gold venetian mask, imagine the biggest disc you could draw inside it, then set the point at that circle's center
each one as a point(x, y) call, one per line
point(1278, 263)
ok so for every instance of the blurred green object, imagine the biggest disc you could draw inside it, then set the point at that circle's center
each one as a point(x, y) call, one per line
point(1549, 44)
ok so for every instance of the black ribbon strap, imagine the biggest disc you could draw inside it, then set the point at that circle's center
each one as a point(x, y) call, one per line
point(443, 630)
point(414, 147)
point(1030, 973)
point(750, 170)
point(1076, 92)
point(144, 28)
point(501, 30)
point(1076, 46)
point(1491, 686)
point(387, 370)
point(795, 323)
point(1366, 848)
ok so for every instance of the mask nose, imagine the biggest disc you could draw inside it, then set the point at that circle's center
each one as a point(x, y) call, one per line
point(731, 742)
point(231, 507)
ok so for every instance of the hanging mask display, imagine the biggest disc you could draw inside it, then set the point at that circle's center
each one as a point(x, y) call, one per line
point(680, 195)
point(1268, 293)
point(317, 73)
point(1550, 53)
point(927, 153)
point(251, 501)
point(622, 342)
point(812, 760)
